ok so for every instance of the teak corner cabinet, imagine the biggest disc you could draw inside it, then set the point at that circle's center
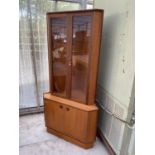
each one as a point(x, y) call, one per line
point(73, 51)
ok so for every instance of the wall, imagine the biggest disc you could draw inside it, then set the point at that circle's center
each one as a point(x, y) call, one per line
point(115, 85)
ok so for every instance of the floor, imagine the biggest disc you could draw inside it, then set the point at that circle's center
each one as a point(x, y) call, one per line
point(34, 140)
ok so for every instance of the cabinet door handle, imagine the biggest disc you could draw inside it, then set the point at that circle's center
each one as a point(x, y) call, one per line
point(61, 106)
point(67, 109)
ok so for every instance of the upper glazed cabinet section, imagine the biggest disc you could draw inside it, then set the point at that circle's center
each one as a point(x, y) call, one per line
point(70, 40)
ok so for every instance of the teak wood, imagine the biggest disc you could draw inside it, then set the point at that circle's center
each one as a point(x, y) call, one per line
point(71, 121)
point(73, 53)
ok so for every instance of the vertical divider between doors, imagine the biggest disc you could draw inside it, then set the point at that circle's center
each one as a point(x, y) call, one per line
point(69, 54)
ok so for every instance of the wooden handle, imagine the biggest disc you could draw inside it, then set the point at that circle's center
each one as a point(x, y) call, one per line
point(61, 106)
point(67, 109)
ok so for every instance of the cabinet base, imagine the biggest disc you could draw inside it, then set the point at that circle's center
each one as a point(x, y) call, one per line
point(72, 140)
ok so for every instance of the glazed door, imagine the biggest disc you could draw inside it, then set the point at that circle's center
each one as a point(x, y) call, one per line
point(81, 49)
point(59, 55)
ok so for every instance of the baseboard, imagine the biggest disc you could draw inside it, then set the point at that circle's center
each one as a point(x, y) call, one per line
point(33, 110)
point(105, 142)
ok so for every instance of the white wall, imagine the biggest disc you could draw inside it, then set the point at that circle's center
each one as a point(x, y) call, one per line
point(115, 85)
point(116, 69)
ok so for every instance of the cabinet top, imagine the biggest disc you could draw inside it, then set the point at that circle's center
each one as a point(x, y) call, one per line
point(71, 103)
point(74, 11)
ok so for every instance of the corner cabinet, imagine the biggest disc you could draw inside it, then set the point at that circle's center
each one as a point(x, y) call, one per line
point(73, 52)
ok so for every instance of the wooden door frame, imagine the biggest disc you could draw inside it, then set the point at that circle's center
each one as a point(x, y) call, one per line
point(77, 14)
point(50, 57)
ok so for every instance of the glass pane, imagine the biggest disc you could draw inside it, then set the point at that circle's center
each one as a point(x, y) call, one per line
point(62, 6)
point(29, 90)
point(27, 87)
point(89, 6)
point(59, 53)
point(80, 54)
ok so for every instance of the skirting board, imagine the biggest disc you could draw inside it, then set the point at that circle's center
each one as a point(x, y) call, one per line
point(105, 142)
point(32, 110)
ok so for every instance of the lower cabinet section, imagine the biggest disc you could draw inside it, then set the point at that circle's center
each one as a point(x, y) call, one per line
point(75, 123)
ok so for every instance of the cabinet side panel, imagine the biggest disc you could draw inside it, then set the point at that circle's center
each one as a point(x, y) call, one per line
point(91, 126)
point(96, 39)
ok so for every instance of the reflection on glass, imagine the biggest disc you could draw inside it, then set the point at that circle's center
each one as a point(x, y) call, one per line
point(80, 53)
point(59, 54)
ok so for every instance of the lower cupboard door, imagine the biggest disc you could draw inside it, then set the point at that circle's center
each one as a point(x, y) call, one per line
point(54, 115)
point(75, 123)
